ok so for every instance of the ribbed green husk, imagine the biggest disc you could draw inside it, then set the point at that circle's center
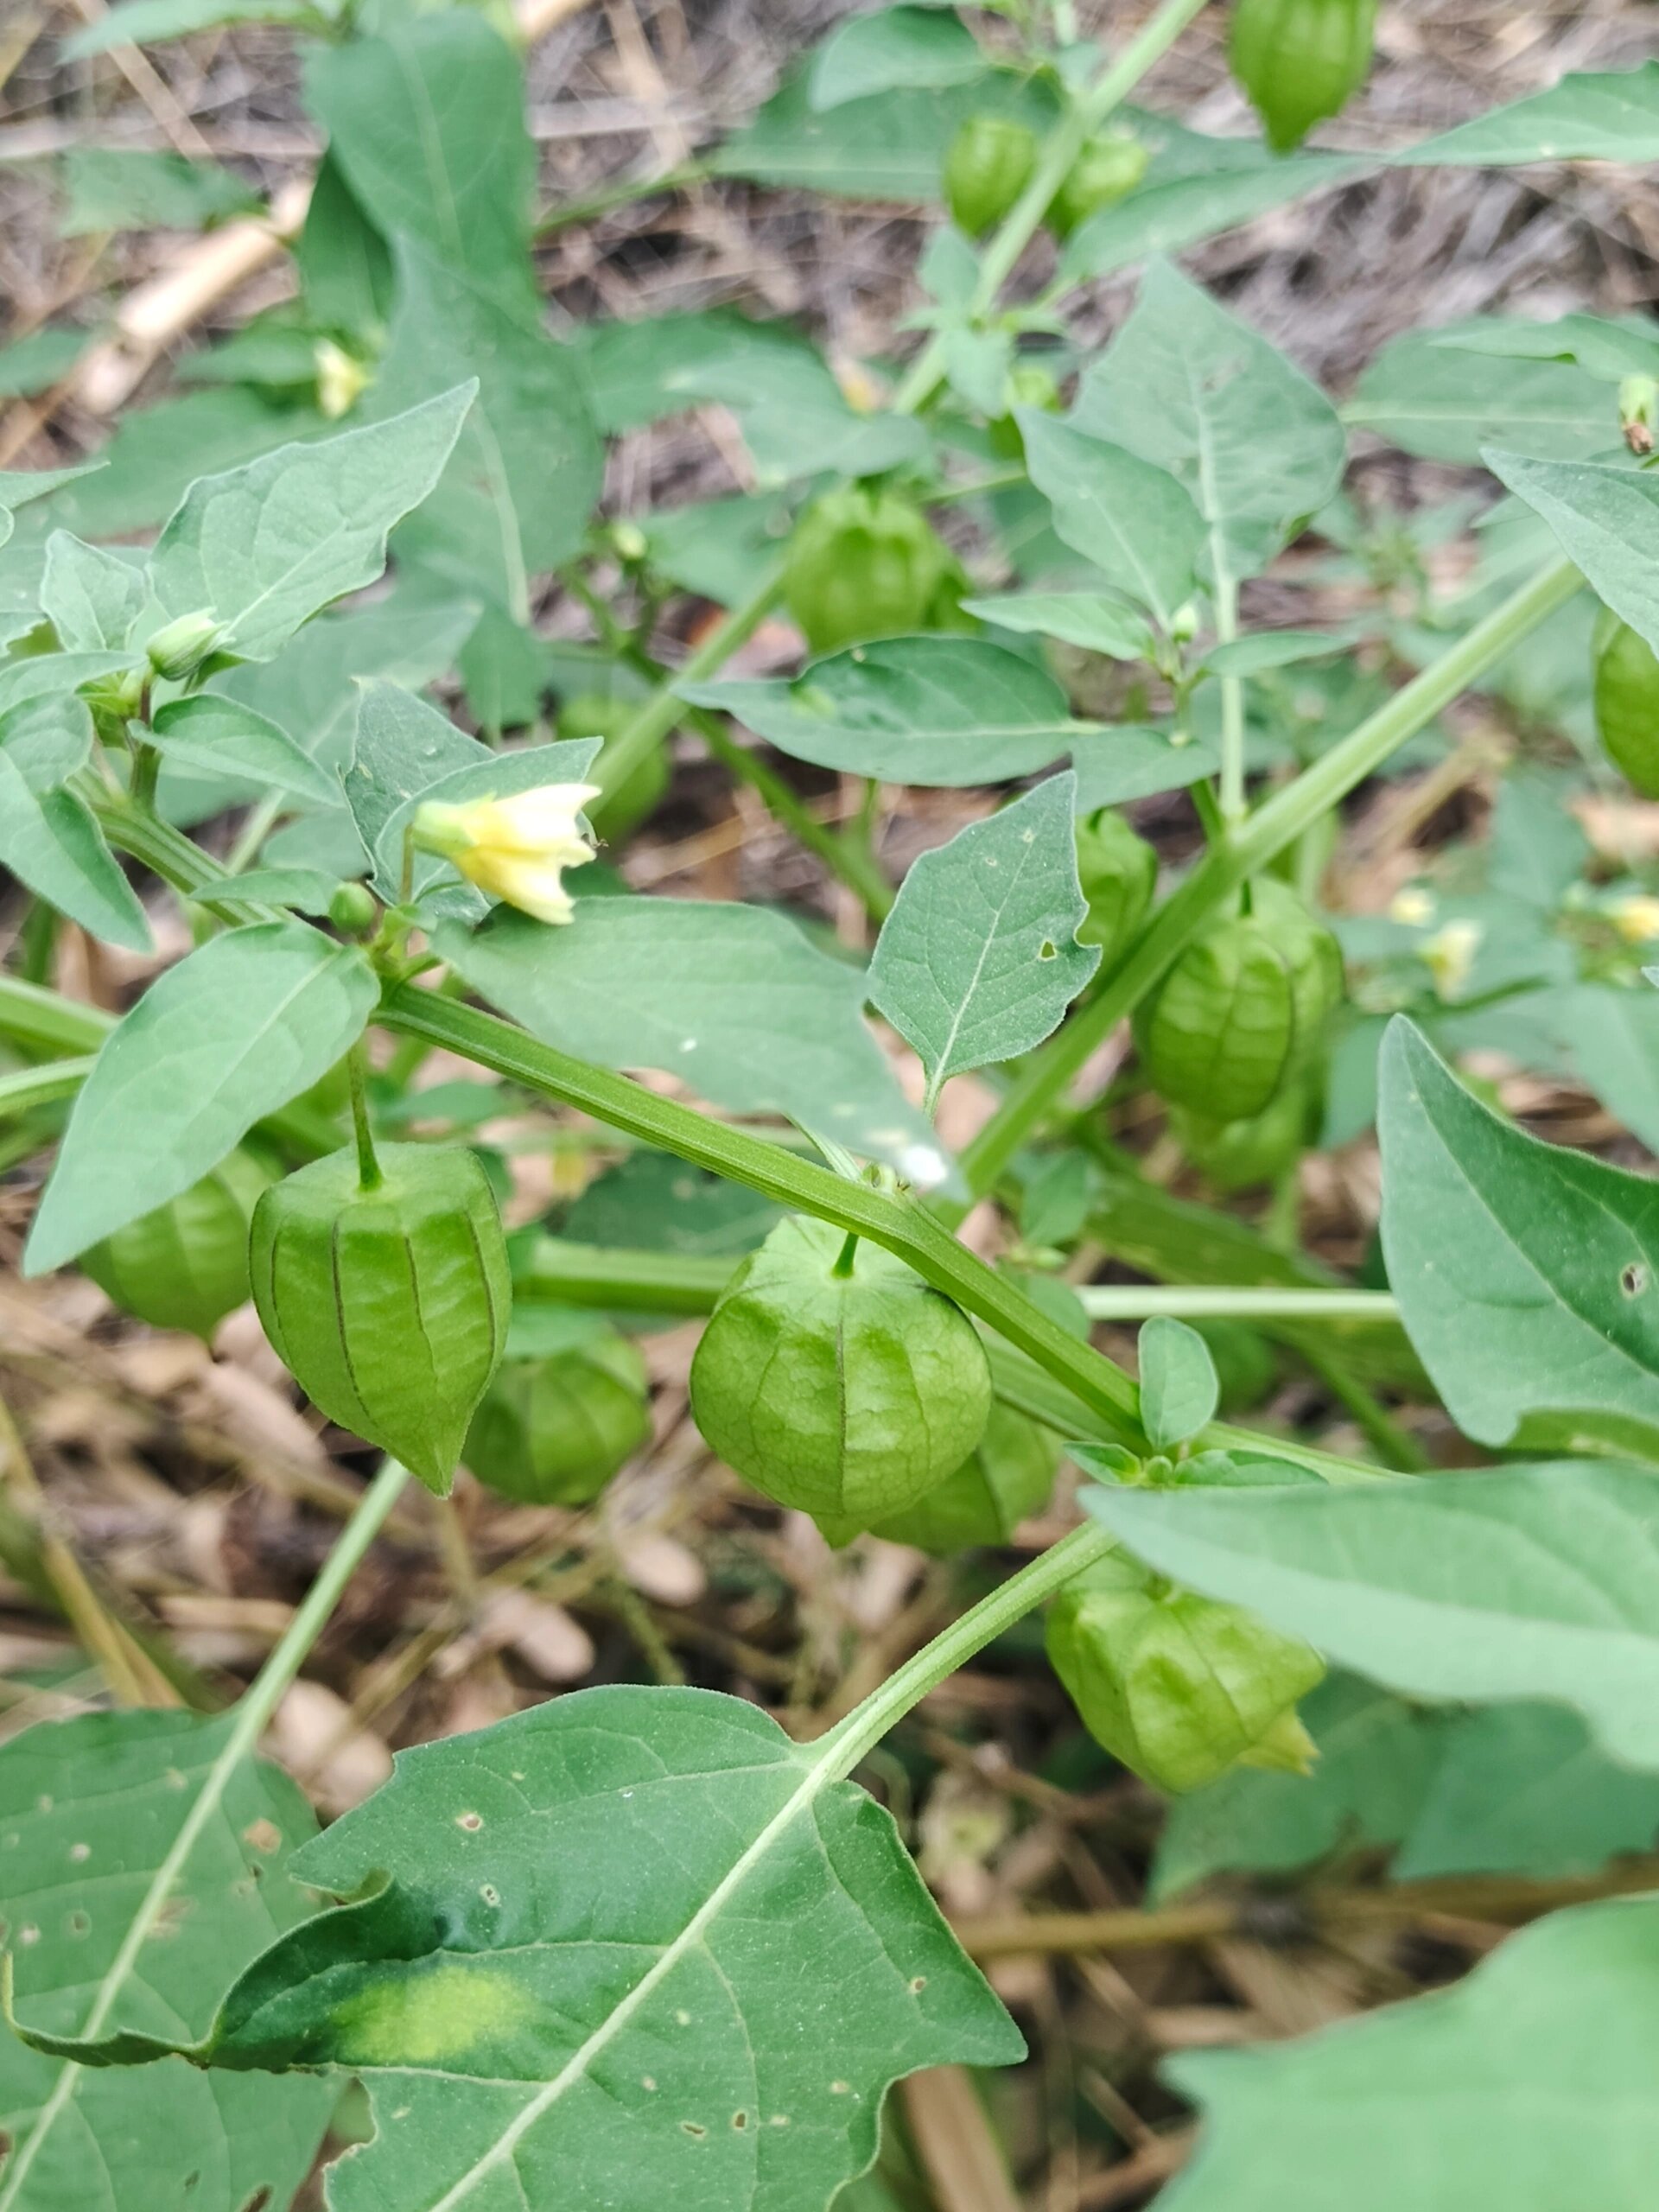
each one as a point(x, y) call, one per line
point(185, 1265)
point(553, 1431)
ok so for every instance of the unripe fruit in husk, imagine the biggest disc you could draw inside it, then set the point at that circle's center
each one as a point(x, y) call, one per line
point(987, 167)
point(553, 1430)
point(1104, 171)
point(388, 1304)
point(596, 714)
point(185, 1265)
point(1300, 61)
point(1627, 702)
point(1239, 1155)
point(848, 1396)
point(1003, 1483)
point(1177, 1686)
point(1242, 1009)
point(866, 564)
point(1118, 871)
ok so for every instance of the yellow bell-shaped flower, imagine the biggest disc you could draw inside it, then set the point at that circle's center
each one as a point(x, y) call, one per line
point(515, 848)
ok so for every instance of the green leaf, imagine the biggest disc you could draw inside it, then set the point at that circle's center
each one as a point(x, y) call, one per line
point(1522, 1788)
point(795, 419)
point(223, 737)
point(633, 1941)
point(1122, 763)
point(21, 487)
point(979, 959)
point(344, 263)
point(1608, 350)
point(114, 189)
point(267, 545)
point(948, 711)
point(239, 1028)
point(427, 124)
point(157, 453)
point(1525, 1275)
point(89, 1809)
point(1526, 2086)
point(1430, 399)
point(35, 364)
point(54, 846)
point(1266, 649)
point(1605, 518)
point(642, 373)
point(1377, 1756)
point(1536, 851)
point(1086, 619)
point(1133, 521)
point(307, 890)
point(722, 550)
point(1163, 215)
point(91, 597)
point(657, 1203)
point(890, 146)
point(1179, 1389)
point(147, 22)
point(892, 49)
point(1194, 392)
point(1611, 117)
point(1611, 1040)
point(731, 999)
point(46, 733)
point(1524, 1582)
point(526, 469)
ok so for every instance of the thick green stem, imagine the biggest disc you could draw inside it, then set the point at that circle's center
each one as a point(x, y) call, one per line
point(368, 1167)
point(1141, 1302)
point(1065, 141)
point(1246, 851)
point(170, 854)
point(27, 1088)
point(866, 1724)
point(252, 1716)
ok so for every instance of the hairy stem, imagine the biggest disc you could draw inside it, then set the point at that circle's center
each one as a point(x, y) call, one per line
point(1065, 141)
point(1248, 850)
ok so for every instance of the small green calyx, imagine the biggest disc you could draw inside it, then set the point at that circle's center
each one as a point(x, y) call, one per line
point(1178, 1687)
point(553, 1430)
point(1300, 61)
point(850, 1397)
point(987, 167)
point(1105, 171)
point(865, 564)
point(1242, 1011)
point(388, 1305)
point(185, 1265)
point(179, 648)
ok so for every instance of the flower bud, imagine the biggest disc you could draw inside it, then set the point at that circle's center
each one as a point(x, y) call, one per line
point(185, 1265)
point(1177, 1686)
point(553, 1430)
point(354, 910)
point(987, 167)
point(515, 848)
point(843, 1386)
point(389, 1303)
point(178, 647)
point(1242, 1009)
point(342, 379)
point(1003, 1483)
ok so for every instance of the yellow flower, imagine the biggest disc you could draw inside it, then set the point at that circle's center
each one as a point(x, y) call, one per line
point(516, 848)
point(1414, 906)
point(342, 379)
point(1450, 954)
point(1636, 918)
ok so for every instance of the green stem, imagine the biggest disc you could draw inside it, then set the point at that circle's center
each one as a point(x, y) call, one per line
point(622, 195)
point(866, 1724)
point(1273, 826)
point(26, 1088)
point(845, 857)
point(1065, 141)
point(1232, 708)
point(252, 1715)
point(1391, 1443)
point(170, 854)
point(665, 708)
point(31, 1014)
